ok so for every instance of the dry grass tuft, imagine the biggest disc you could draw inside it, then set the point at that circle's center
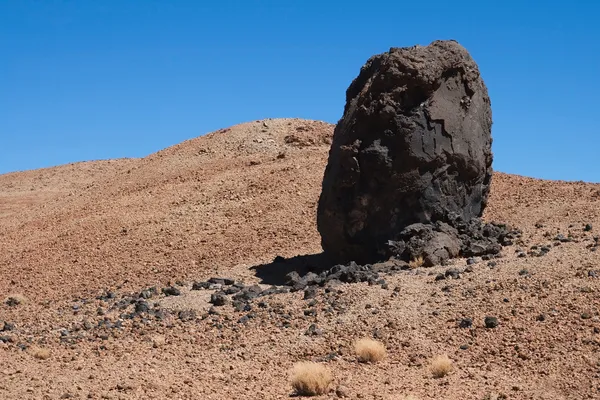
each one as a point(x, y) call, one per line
point(310, 378)
point(369, 350)
point(441, 366)
point(15, 299)
point(39, 352)
point(416, 262)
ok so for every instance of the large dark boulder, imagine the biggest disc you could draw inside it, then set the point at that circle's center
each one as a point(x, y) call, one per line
point(413, 147)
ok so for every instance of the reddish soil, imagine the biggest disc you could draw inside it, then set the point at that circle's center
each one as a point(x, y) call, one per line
point(236, 198)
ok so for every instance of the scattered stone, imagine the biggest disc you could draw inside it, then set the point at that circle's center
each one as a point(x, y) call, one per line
point(464, 347)
point(594, 274)
point(200, 285)
point(310, 293)
point(221, 281)
point(313, 330)
point(232, 290)
point(586, 315)
point(492, 264)
point(469, 269)
point(452, 273)
point(248, 293)
point(148, 293)
point(15, 300)
point(342, 391)
point(562, 238)
point(541, 318)
point(465, 323)
point(219, 299)
point(440, 277)
point(239, 306)
point(491, 322)
point(6, 326)
point(187, 315)
point(310, 312)
point(587, 228)
point(142, 307)
point(471, 261)
point(244, 319)
point(524, 272)
point(171, 291)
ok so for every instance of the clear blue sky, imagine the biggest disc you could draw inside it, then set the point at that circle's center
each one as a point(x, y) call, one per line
point(91, 79)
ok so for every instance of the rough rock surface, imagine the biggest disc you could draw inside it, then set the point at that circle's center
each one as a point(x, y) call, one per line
point(413, 146)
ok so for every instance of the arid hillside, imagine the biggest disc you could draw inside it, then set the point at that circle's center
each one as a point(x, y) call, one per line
point(81, 243)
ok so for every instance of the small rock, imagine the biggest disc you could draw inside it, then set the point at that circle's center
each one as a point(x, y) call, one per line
point(469, 269)
point(248, 293)
point(219, 299)
point(471, 261)
point(464, 347)
point(492, 264)
point(586, 315)
point(313, 330)
point(171, 291)
point(310, 293)
point(239, 306)
point(524, 272)
point(6, 326)
point(142, 307)
point(232, 290)
point(465, 323)
point(148, 293)
point(341, 391)
point(200, 285)
point(491, 322)
point(452, 273)
point(222, 281)
point(588, 227)
point(244, 319)
point(541, 318)
point(187, 315)
point(440, 277)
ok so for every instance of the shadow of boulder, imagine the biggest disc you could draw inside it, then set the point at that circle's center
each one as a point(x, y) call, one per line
point(275, 272)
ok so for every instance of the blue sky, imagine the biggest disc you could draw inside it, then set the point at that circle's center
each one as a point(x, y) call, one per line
point(89, 79)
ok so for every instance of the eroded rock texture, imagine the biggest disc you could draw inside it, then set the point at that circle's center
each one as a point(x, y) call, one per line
point(413, 147)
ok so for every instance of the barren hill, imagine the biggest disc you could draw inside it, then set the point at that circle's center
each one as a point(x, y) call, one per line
point(220, 204)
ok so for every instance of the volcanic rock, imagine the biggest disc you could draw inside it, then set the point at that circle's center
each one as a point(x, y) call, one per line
point(411, 159)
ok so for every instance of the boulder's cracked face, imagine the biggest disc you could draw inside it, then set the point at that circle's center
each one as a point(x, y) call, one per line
point(413, 146)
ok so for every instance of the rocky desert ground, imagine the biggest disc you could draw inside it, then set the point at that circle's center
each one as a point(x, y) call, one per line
point(167, 278)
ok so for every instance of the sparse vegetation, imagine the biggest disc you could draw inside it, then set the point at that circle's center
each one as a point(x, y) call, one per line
point(369, 350)
point(39, 352)
point(15, 300)
point(416, 262)
point(310, 378)
point(441, 366)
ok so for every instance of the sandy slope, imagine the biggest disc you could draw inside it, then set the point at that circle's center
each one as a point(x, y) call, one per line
point(220, 204)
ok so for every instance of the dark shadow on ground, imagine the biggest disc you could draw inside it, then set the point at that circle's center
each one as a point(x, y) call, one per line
point(274, 273)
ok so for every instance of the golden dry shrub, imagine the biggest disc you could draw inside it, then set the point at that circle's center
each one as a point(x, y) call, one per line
point(416, 262)
point(369, 350)
point(311, 378)
point(441, 366)
point(39, 352)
